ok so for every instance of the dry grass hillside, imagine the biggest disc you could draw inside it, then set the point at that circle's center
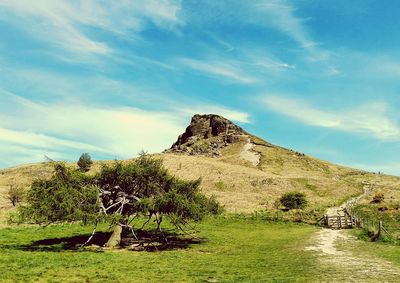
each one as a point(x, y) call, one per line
point(245, 175)
point(242, 186)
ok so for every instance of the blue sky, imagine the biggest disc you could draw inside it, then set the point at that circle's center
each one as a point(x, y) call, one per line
point(112, 79)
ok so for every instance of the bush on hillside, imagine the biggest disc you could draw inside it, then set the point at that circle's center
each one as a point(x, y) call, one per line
point(293, 200)
point(378, 198)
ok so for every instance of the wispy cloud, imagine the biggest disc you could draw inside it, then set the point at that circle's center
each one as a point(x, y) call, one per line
point(250, 66)
point(277, 14)
point(63, 23)
point(281, 14)
point(269, 63)
point(42, 141)
point(371, 118)
point(228, 70)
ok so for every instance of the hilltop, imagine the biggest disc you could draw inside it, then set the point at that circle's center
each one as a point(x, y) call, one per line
point(243, 171)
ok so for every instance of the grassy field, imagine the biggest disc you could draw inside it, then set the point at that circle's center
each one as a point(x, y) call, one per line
point(234, 250)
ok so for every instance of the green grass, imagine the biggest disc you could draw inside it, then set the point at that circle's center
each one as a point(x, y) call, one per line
point(235, 250)
point(385, 250)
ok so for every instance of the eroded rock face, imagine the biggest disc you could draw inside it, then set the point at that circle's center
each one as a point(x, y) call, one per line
point(207, 134)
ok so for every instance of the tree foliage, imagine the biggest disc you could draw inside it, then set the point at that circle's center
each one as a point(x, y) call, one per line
point(67, 196)
point(293, 200)
point(120, 193)
point(85, 162)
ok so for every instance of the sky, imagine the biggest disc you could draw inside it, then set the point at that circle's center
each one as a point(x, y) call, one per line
point(112, 78)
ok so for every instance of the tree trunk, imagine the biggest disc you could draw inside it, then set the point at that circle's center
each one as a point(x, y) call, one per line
point(115, 238)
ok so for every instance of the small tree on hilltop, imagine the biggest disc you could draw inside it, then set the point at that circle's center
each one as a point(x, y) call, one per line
point(293, 200)
point(85, 162)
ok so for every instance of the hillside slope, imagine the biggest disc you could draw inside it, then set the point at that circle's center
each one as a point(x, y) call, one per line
point(244, 172)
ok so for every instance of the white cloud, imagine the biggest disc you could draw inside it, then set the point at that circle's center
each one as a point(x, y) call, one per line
point(59, 129)
point(228, 70)
point(119, 131)
point(372, 118)
point(63, 22)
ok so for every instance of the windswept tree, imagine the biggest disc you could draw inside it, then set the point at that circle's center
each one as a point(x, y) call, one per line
point(121, 193)
point(145, 187)
point(85, 162)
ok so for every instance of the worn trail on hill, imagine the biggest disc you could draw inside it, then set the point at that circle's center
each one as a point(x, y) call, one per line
point(334, 251)
point(249, 155)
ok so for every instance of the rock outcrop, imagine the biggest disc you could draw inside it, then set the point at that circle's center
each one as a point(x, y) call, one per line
point(207, 135)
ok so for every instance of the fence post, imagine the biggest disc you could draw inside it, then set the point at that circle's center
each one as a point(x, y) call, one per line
point(380, 230)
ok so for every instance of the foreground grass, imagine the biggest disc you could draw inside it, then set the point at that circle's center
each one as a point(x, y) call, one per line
point(235, 250)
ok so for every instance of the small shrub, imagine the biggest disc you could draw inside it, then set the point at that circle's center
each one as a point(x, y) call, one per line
point(85, 162)
point(254, 183)
point(293, 200)
point(378, 198)
point(15, 194)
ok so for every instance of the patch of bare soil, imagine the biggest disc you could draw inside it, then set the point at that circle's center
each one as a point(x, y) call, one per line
point(249, 155)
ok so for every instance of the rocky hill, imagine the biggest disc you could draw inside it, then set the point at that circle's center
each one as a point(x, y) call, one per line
point(208, 135)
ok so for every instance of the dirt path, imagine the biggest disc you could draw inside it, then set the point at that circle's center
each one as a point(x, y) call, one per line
point(249, 155)
point(335, 253)
point(344, 264)
point(339, 211)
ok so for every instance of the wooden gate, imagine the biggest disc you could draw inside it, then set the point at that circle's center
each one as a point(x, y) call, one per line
point(338, 222)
